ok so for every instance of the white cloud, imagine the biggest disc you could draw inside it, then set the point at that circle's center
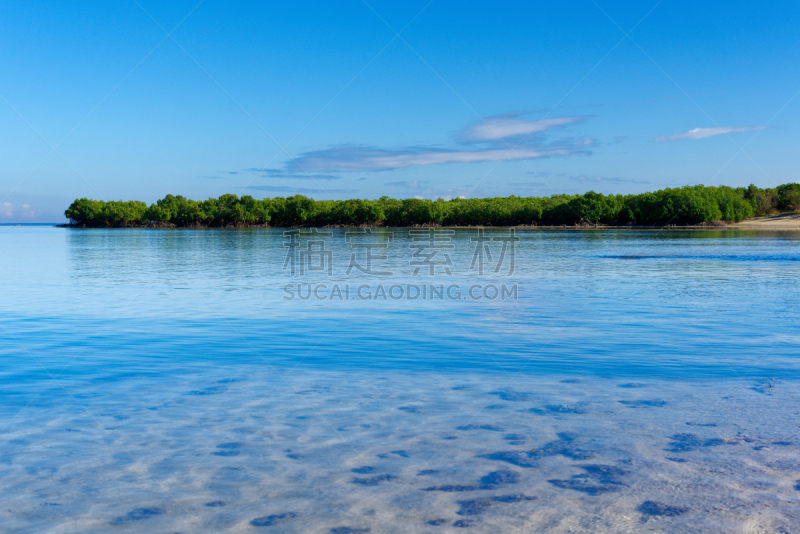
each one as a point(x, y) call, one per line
point(584, 178)
point(506, 126)
point(482, 142)
point(416, 184)
point(18, 211)
point(702, 133)
point(299, 190)
point(351, 158)
point(277, 173)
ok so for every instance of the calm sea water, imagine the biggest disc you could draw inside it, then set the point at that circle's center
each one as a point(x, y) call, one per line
point(185, 381)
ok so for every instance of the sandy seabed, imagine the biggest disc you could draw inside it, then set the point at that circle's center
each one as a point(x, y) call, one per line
point(355, 452)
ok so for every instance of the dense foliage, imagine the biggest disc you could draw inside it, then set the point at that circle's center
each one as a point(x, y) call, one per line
point(684, 205)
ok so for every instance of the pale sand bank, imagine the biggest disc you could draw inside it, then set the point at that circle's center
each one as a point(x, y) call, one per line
point(782, 221)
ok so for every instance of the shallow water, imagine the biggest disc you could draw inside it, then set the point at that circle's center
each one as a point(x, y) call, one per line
point(159, 381)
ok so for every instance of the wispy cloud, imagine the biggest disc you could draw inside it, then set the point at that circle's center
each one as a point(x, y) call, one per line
point(300, 190)
point(702, 133)
point(528, 184)
point(559, 178)
point(424, 190)
point(510, 125)
point(500, 138)
point(17, 211)
point(299, 175)
point(360, 158)
point(600, 179)
point(416, 184)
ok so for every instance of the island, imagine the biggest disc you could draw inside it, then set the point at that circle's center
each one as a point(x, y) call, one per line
point(698, 205)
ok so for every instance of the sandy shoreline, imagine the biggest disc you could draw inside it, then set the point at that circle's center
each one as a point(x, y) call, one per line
point(781, 221)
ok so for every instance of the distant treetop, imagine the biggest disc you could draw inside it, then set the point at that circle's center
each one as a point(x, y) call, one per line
point(684, 205)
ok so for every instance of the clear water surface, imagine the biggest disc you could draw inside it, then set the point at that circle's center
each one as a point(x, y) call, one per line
point(162, 381)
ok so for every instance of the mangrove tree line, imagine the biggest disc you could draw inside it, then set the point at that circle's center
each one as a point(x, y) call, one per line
point(680, 206)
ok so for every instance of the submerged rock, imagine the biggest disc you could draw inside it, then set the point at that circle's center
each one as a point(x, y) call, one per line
point(385, 455)
point(685, 442)
point(512, 396)
point(228, 449)
point(521, 459)
point(231, 445)
point(499, 478)
point(492, 480)
point(364, 470)
point(513, 498)
point(373, 481)
point(643, 403)
point(566, 446)
point(583, 485)
point(559, 408)
point(275, 519)
point(137, 515)
point(596, 480)
point(474, 506)
point(478, 506)
point(426, 472)
point(208, 391)
point(451, 488)
point(479, 427)
point(659, 508)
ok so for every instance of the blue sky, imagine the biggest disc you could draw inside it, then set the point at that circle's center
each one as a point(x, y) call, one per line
point(135, 99)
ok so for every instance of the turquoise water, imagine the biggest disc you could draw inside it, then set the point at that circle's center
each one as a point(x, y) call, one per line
point(164, 381)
